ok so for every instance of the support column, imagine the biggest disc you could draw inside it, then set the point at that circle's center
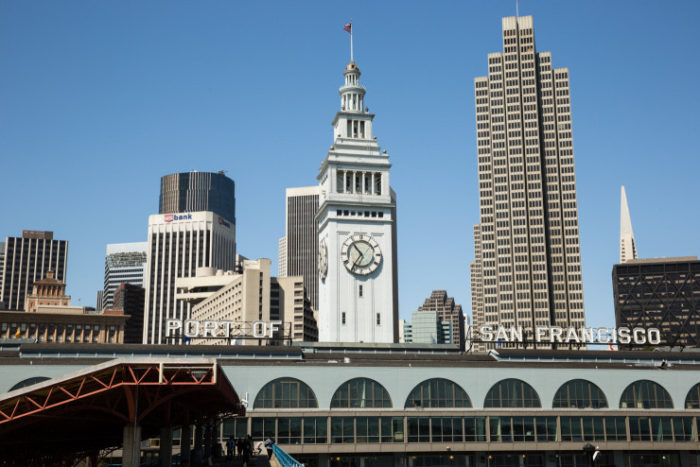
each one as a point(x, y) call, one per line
point(166, 446)
point(210, 437)
point(131, 446)
point(185, 440)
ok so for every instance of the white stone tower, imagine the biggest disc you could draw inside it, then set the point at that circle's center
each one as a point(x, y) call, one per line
point(358, 297)
point(628, 248)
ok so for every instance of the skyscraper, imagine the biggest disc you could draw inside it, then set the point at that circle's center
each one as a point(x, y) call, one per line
point(198, 191)
point(530, 263)
point(179, 244)
point(128, 299)
point(27, 259)
point(448, 312)
point(299, 246)
point(125, 263)
point(661, 293)
point(2, 267)
point(358, 290)
point(628, 248)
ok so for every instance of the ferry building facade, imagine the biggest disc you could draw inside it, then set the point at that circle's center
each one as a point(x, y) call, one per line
point(408, 405)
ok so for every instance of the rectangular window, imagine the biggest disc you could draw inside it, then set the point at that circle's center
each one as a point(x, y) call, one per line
point(571, 429)
point(593, 429)
point(683, 429)
point(392, 429)
point(367, 429)
point(360, 291)
point(523, 429)
point(342, 430)
point(263, 427)
point(546, 428)
point(289, 430)
point(342, 318)
point(315, 430)
point(379, 319)
point(639, 429)
point(418, 429)
point(661, 429)
point(475, 429)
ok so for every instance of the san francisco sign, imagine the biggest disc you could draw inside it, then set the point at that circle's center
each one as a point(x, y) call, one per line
point(561, 335)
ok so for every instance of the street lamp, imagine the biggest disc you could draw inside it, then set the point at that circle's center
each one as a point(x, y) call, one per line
point(592, 453)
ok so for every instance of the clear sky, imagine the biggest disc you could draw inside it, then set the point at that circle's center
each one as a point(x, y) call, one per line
point(98, 100)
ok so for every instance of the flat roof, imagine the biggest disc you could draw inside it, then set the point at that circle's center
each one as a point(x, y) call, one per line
point(391, 355)
point(670, 259)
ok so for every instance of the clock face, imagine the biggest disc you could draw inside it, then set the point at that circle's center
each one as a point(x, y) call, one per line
point(361, 254)
point(323, 259)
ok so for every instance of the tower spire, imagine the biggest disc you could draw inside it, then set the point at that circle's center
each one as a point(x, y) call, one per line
point(628, 248)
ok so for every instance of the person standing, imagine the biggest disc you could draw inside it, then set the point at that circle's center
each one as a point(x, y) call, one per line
point(268, 445)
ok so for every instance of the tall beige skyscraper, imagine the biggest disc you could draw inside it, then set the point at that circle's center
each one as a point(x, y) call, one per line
point(527, 260)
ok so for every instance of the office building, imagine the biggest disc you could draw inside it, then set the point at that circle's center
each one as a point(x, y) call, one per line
point(2, 267)
point(290, 304)
point(178, 245)
point(48, 317)
point(244, 300)
point(99, 300)
point(477, 290)
point(299, 247)
point(282, 258)
point(27, 259)
point(628, 247)
point(405, 331)
point(528, 236)
point(129, 300)
point(205, 283)
point(246, 297)
point(198, 191)
point(448, 312)
point(125, 263)
point(661, 293)
point(358, 287)
point(426, 327)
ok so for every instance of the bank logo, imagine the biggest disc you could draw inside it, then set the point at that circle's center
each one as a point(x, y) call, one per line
point(176, 217)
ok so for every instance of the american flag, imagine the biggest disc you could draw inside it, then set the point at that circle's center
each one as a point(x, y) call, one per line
point(348, 27)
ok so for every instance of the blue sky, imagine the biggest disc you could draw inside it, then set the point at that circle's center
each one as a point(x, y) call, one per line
point(98, 100)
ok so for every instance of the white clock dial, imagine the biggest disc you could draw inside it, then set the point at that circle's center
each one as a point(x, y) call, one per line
point(361, 254)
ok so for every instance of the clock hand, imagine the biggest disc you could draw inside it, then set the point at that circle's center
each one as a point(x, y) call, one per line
point(355, 263)
point(356, 248)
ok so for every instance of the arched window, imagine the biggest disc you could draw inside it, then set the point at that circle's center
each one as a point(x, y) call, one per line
point(645, 394)
point(29, 382)
point(512, 393)
point(360, 393)
point(579, 394)
point(438, 392)
point(285, 393)
point(692, 400)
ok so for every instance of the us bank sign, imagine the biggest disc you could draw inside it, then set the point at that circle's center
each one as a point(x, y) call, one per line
point(226, 329)
point(560, 335)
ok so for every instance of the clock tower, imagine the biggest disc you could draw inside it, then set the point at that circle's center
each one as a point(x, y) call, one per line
point(358, 293)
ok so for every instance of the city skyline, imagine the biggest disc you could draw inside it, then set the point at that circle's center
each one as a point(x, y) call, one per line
point(235, 135)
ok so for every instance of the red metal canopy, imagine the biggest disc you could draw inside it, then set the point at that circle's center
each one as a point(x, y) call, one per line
point(87, 410)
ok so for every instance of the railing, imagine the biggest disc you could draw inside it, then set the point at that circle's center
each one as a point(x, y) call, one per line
point(285, 459)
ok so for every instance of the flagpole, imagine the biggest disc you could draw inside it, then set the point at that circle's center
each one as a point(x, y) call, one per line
point(351, 56)
point(517, 3)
